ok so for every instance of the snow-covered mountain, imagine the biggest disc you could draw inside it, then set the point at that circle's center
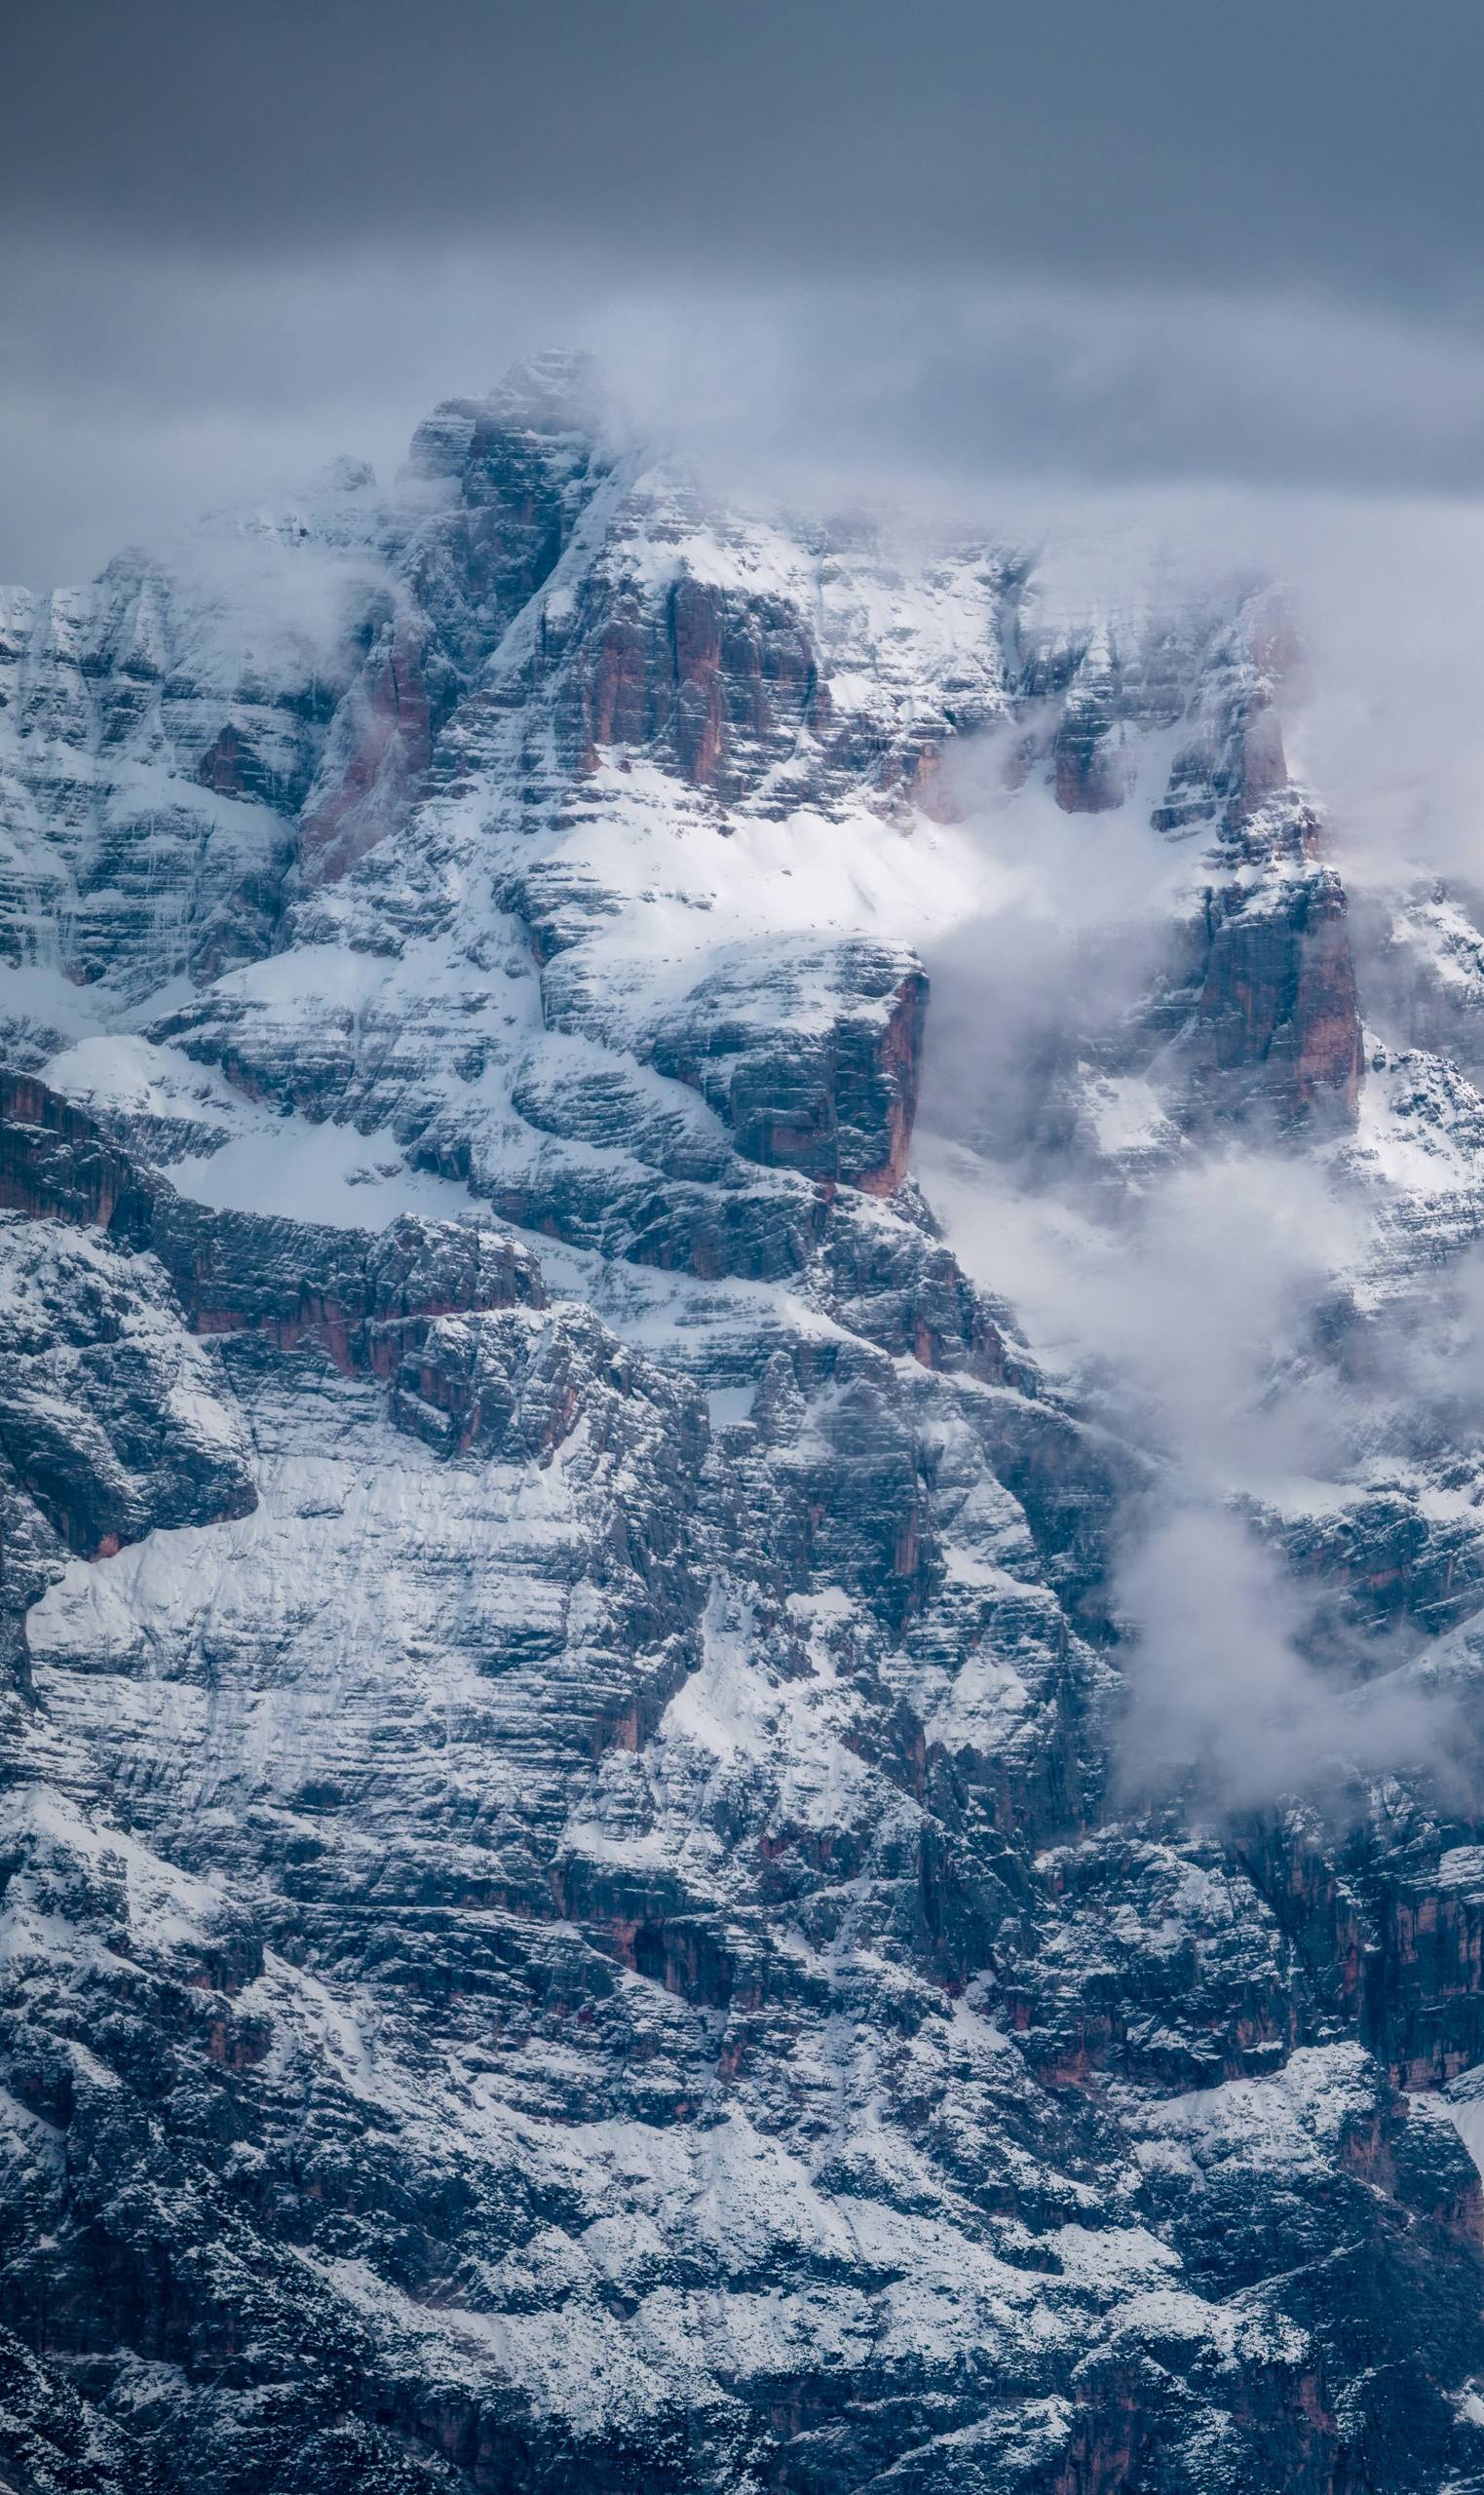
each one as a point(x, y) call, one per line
point(583, 1897)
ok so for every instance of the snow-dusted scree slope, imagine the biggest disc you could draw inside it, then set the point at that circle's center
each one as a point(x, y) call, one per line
point(587, 1895)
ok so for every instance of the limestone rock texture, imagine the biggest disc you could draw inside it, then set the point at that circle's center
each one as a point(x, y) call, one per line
point(573, 1910)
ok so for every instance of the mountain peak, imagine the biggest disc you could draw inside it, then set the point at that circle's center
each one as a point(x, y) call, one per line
point(561, 391)
point(680, 1693)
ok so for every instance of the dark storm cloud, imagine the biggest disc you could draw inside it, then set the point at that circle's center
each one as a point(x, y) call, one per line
point(946, 245)
point(1323, 141)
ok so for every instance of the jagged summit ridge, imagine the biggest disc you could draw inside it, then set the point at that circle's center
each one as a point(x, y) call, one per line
point(560, 395)
point(561, 390)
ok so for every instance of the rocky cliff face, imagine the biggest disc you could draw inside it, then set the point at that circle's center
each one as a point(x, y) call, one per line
point(572, 1904)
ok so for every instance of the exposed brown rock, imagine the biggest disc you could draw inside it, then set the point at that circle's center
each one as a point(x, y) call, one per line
point(1277, 996)
point(389, 752)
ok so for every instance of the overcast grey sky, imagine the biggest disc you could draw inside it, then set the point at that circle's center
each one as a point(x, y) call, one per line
point(1092, 242)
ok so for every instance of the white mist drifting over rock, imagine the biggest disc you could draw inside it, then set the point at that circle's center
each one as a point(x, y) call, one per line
point(1201, 1285)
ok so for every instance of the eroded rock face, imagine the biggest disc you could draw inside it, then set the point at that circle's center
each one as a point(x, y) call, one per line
point(570, 1908)
point(364, 1300)
point(1277, 1010)
point(1254, 1007)
point(829, 1088)
point(112, 1420)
